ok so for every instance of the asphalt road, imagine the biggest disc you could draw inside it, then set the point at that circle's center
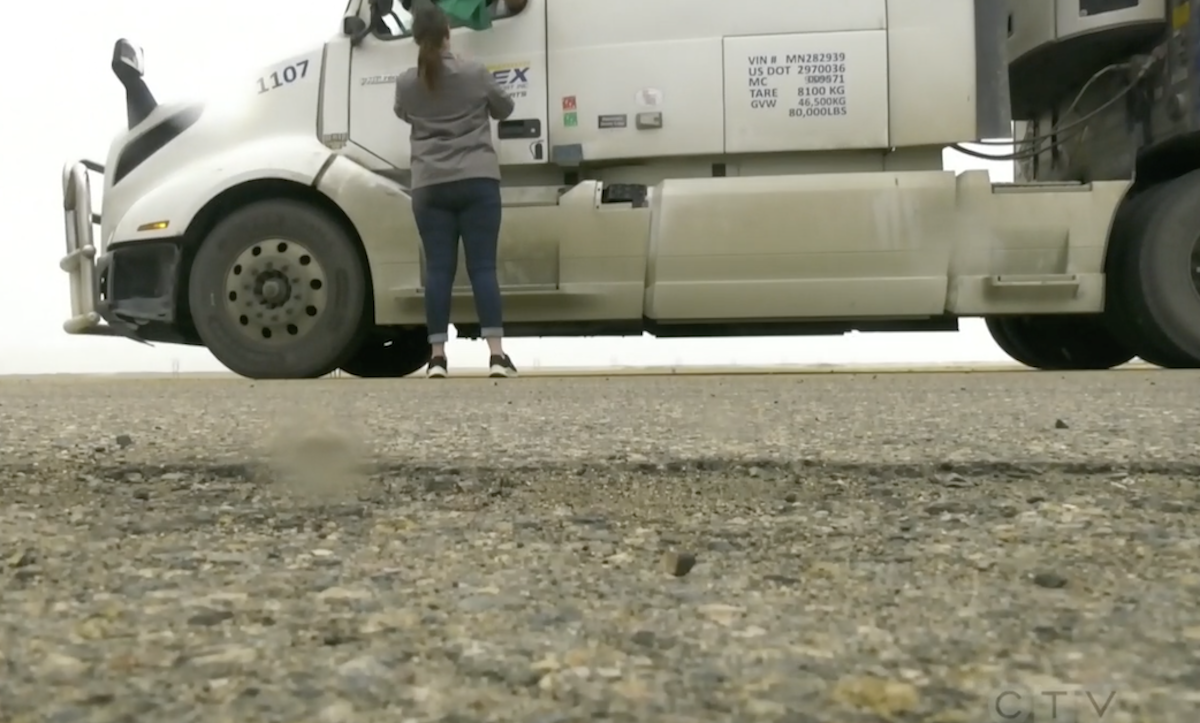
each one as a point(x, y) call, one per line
point(959, 548)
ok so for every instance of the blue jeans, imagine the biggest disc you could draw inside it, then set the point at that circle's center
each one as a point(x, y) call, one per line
point(445, 212)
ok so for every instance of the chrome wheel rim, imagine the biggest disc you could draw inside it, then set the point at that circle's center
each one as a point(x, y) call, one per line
point(276, 291)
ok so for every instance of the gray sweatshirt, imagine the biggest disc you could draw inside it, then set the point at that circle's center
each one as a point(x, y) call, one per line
point(451, 137)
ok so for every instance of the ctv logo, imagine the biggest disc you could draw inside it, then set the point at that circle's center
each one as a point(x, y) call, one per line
point(1059, 703)
point(512, 77)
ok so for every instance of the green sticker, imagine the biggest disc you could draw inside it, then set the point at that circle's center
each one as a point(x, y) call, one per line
point(570, 120)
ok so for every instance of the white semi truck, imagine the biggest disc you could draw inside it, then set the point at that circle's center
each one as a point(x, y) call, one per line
point(684, 168)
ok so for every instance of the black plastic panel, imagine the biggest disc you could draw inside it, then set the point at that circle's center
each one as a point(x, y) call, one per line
point(530, 128)
point(1091, 8)
point(153, 141)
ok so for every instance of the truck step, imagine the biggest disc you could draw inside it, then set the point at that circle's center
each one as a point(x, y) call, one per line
point(1039, 186)
point(1016, 283)
point(526, 290)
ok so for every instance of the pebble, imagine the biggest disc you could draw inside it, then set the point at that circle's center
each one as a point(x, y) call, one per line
point(1049, 579)
point(678, 564)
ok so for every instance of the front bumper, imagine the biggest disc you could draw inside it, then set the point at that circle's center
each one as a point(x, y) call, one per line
point(80, 261)
point(127, 291)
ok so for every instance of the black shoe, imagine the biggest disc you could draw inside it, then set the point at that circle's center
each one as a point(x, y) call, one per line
point(501, 366)
point(437, 368)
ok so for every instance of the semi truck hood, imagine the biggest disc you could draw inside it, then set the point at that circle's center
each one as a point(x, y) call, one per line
point(197, 136)
point(278, 98)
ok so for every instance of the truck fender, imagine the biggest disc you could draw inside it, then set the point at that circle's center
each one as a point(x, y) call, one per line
point(184, 193)
point(381, 211)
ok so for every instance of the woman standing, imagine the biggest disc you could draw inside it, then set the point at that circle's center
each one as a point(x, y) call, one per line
point(448, 102)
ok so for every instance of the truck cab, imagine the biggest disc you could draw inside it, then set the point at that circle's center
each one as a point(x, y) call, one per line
point(678, 168)
point(513, 49)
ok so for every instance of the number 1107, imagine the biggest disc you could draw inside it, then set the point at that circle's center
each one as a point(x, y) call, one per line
point(286, 76)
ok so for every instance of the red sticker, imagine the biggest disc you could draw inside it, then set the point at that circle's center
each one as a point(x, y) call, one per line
point(569, 102)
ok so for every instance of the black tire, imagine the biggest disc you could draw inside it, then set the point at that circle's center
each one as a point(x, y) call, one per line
point(1154, 273)
point(1067, 342)
point(278, 290)
point(1002, 335)
point(386, 356)
point(1121, 291)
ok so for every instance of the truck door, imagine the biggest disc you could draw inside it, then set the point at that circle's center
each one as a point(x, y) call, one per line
point(514, 49)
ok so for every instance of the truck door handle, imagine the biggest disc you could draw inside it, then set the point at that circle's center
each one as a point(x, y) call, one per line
point(521, 128)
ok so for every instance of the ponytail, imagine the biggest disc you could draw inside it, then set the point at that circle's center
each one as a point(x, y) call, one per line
point(431, 30)
point(429, 64)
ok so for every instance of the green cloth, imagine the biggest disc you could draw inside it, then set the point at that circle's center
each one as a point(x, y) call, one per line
point(473, 14)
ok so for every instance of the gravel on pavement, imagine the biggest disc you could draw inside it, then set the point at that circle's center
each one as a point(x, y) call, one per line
point(950, 548)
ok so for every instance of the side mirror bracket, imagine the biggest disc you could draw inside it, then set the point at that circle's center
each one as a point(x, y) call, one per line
point(129, 65)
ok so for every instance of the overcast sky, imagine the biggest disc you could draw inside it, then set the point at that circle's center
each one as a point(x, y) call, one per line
point(62, 102)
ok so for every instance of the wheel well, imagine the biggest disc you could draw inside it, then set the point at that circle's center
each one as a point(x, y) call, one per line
point(1166, 162)
point(1155, 166)
point(240, 196)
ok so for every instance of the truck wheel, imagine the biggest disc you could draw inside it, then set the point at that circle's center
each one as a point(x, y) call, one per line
point(1154, 273)
point(1008, 344)
point(390, 356)
point(278, 291)
point(1059, 343)
point(1119, 296)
